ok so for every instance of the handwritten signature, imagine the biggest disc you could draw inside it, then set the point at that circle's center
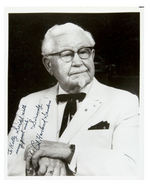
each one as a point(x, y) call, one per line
point(39, 136)
point(34, 120)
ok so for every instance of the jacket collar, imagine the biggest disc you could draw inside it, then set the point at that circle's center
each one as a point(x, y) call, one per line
point(96, 90)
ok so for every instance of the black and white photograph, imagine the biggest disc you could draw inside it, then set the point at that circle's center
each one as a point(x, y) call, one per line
point(74, 93)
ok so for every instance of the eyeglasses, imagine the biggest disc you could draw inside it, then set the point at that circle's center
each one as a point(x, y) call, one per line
point(68, 55)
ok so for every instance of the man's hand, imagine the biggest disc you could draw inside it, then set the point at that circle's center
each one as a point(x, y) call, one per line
point(50, 149)
point(46, 166)
point(51, 167)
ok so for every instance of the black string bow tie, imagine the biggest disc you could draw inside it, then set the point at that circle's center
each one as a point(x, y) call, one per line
point(70, 97)
point(71, 107)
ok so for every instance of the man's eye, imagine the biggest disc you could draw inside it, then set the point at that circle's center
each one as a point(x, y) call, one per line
point(66, 54)
point(84, 51)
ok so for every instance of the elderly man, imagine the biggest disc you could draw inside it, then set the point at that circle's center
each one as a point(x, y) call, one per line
point(79, 126)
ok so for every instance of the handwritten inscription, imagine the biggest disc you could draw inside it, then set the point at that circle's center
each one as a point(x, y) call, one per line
point(17, 141)
point(21, 142)
point(18, 133)
point(12, 141)
point(39, 136)
point(34, 120)
point(20, 119)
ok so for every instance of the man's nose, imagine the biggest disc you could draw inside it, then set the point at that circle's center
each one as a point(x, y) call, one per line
point(77, 61)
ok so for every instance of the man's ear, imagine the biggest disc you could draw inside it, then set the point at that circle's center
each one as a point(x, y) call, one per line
point(47, 65)
point(93, 53)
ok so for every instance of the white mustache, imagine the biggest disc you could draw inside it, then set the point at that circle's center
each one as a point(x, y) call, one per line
point(77, 71)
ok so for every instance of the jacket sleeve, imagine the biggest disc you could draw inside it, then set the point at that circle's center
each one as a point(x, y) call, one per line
point(122, 158)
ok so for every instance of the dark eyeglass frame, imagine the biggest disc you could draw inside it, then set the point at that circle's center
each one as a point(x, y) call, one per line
point(73, 53)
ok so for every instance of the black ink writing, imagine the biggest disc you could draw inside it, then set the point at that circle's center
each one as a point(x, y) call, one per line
point(21, 125)
point(39, 136)
point(34, 121)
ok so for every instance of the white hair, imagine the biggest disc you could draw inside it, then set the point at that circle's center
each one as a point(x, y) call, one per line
point(49, 38)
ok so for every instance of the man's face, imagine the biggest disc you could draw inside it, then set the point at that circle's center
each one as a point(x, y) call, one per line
point(76, 74)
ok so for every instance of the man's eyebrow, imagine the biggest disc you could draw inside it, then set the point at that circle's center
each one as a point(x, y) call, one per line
point(70, 48)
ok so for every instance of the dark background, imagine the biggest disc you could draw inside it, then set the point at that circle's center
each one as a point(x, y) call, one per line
point(117, 51)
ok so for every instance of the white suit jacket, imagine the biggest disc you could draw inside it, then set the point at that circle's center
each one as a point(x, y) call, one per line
point(111, 149)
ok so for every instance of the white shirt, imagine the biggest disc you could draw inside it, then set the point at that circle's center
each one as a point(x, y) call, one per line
point(61, 105)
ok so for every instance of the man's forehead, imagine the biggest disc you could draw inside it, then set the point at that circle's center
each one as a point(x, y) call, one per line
point(72, 39)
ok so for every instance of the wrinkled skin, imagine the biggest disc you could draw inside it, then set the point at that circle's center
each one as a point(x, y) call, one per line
point(47, 158)
point(74, 75)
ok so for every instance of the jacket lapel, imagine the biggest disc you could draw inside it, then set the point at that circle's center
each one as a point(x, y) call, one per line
point(50, 111)
point(89, 106)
